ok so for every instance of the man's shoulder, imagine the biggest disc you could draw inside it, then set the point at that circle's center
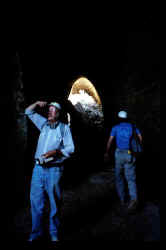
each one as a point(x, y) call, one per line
point(115, 126)
point(125, 124)
point(122, 126)
point(63, 124)
point(45, 123)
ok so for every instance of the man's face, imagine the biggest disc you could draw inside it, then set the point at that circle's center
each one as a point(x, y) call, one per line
point(53, 114)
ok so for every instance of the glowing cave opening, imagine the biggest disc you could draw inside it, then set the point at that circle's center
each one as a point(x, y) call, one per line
point(86, 100)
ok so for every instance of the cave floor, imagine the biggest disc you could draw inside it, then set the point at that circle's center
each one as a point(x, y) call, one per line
point(92, 212)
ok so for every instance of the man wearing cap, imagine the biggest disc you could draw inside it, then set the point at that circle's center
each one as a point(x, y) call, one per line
point(124, 160)
point(55, 144)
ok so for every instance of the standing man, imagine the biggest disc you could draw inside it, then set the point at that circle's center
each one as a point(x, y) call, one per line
point(55, 144)
point(124, 159)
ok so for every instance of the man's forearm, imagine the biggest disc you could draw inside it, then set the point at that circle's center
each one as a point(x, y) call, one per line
point(41, 104)
point(32, 106)
point(109, 144)
point(108, 147)
point(140, 139)
point(56, 152)
point(53, 153)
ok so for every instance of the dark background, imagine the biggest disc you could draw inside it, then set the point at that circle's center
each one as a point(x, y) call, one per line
point(112, 51)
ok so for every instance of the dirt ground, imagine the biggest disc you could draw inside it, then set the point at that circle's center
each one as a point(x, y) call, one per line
point(92, 211)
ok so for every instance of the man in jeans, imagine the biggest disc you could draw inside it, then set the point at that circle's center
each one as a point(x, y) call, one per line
point(124, 160)
point(55, 144)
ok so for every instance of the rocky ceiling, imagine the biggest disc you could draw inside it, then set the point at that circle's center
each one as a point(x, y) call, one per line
point(107, 54)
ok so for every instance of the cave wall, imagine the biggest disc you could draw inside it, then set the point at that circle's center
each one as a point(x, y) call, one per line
point(141, 102)
point(13, 137)
point(124, 70)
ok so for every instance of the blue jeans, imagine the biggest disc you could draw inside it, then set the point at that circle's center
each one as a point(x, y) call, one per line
point(125, 168)
point(45, 180)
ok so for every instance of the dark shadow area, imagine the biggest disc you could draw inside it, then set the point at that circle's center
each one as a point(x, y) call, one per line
point(123, 70)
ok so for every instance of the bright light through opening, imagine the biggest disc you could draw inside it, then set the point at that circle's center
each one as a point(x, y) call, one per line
point(82, 97)
point(83, 91)
point(86, 100)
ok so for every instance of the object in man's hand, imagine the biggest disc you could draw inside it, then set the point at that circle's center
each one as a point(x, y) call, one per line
point(43, 160)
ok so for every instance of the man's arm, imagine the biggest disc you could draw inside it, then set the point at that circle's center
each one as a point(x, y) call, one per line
point(140, 138)
point(66, 150)
point(138, 133)
point(53, 153)
point(106, 156)
point(37, 119)
point(109, 144)
point(68, 144)
point(34, 105)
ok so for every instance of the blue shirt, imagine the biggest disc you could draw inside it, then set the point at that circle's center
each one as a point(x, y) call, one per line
point(51, 138)
point(123, 132)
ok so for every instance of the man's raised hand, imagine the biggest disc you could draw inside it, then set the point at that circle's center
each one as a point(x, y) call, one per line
point(41, 104)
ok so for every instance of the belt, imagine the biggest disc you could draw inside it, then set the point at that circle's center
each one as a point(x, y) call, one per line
point(124, 150)
point(47, 165)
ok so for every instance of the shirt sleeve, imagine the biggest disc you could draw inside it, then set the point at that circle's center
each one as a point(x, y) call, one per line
point(37, 119)
point(113, 131)
point(68, 144)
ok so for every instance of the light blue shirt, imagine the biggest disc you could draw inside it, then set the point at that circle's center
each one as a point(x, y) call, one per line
point(51, 138)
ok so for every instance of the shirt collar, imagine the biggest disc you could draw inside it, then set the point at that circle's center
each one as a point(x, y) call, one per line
point(52, 125)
